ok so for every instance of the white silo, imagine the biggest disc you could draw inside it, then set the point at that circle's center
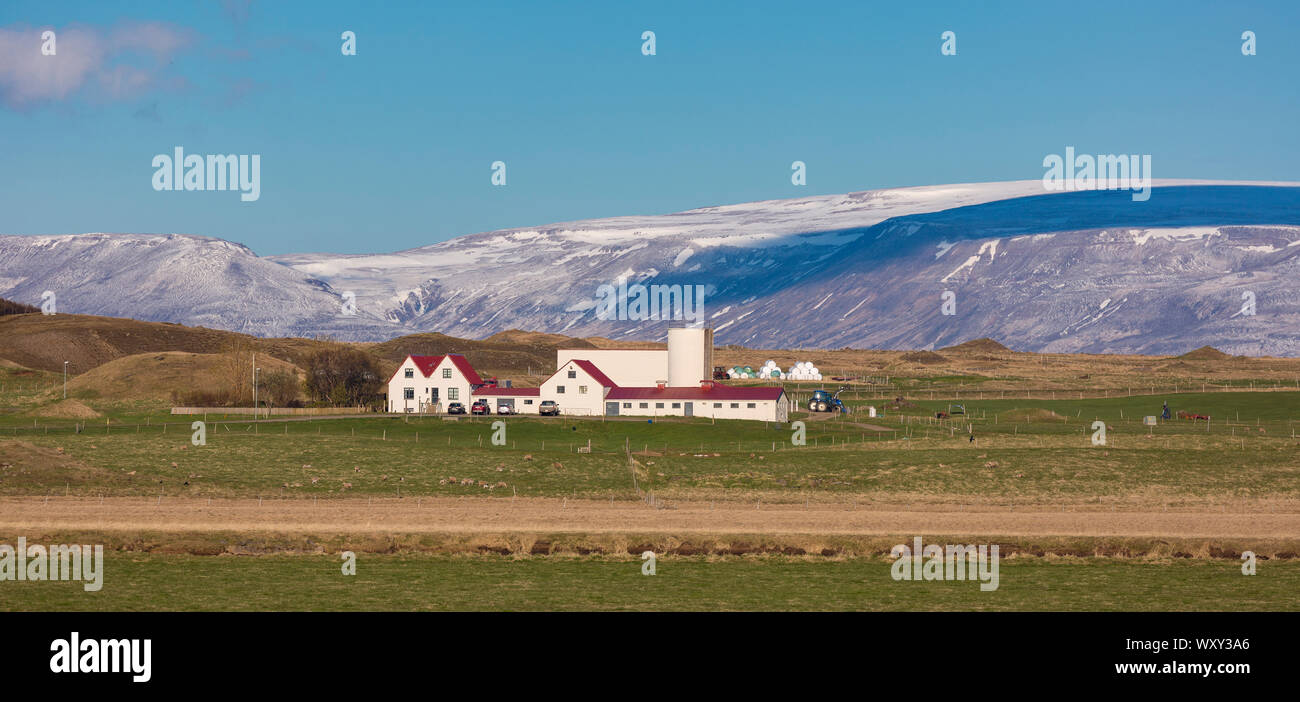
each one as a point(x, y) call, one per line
point(690, 356)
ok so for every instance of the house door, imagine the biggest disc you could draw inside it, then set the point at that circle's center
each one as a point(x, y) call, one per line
point(689, 408)
point(611, 409)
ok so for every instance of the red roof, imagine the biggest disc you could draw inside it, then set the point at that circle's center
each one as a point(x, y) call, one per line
point(717, 392)
point(427, 364)
point(590, 368)
point(595, 373)
point(507, 392)
point(465, 369)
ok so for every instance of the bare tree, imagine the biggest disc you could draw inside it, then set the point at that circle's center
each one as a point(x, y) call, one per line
point(278, 388)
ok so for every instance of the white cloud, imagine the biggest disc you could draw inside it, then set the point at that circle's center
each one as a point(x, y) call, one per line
point(116, 64)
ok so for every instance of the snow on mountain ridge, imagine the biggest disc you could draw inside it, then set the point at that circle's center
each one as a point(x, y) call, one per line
point(855, 269)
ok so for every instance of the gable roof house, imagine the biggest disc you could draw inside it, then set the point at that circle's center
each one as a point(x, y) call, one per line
point(428, 383)
point(578, 387)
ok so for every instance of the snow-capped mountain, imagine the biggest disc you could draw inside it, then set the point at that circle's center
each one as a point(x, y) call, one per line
point(1073, 271)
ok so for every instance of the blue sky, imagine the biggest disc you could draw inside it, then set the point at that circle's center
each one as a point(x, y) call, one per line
point(392, 148)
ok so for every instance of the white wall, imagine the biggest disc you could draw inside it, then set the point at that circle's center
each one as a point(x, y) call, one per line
point(519, 402)
point(571, 401)
point(626, 367)
point(763, 410)
point(423, 388)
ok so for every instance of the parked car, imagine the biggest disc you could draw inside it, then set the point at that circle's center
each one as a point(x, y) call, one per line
point(548, 407)
point(505, 409)
point(480, 407)
point(455, 408)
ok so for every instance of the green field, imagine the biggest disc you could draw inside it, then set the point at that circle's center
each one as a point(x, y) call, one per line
point(1033, 455)
point(151, 582)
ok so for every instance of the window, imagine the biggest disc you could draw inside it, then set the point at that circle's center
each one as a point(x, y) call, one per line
point(582, 389)
point(410, 372)
point(446, 372)
point(677, 405)
point(573, 374)
point(645, 405)
point(659, 405)
point(750, 405)
point(528, 402)
point(717, 405)
point(735, 405)
point(453, 393)
point(408, 393)
point(559, 389)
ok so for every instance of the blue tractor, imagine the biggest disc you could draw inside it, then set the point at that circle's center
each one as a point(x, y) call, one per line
point(824, 401)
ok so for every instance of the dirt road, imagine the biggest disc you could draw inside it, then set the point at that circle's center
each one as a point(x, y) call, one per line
point(430, 515)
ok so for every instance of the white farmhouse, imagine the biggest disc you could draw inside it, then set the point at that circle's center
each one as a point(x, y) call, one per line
point(428, 383)
point(672, 382)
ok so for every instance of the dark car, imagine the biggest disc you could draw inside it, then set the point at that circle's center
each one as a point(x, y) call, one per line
point(480, 407)
point(455, 408)
point(548, 407)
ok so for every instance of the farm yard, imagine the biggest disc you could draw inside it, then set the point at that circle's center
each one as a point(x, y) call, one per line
point(978, 446)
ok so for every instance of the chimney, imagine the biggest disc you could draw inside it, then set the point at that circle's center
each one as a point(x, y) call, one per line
point(661, 384)
point(706, 384)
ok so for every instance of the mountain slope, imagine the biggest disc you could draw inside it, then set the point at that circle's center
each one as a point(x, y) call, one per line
point(1077, 271)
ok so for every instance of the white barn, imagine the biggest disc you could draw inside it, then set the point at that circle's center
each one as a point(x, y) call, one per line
point(627, 366)
point(709, 399)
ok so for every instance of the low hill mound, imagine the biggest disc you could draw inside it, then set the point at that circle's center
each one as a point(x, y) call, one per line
point(928, 358)
point(65, 409)
point(1205, 353)
point(982, 345)
point(154, 376)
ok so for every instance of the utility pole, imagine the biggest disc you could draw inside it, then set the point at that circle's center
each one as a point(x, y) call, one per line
point(256, 370)
point(65, 380)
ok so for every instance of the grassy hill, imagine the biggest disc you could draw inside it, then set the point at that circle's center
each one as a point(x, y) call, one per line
point(44, 342)
point(154, 376)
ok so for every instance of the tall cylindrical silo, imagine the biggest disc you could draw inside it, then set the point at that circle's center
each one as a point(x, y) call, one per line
point(690, 356)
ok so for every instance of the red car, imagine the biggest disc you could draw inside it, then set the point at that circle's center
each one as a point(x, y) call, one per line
point(480, 407)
